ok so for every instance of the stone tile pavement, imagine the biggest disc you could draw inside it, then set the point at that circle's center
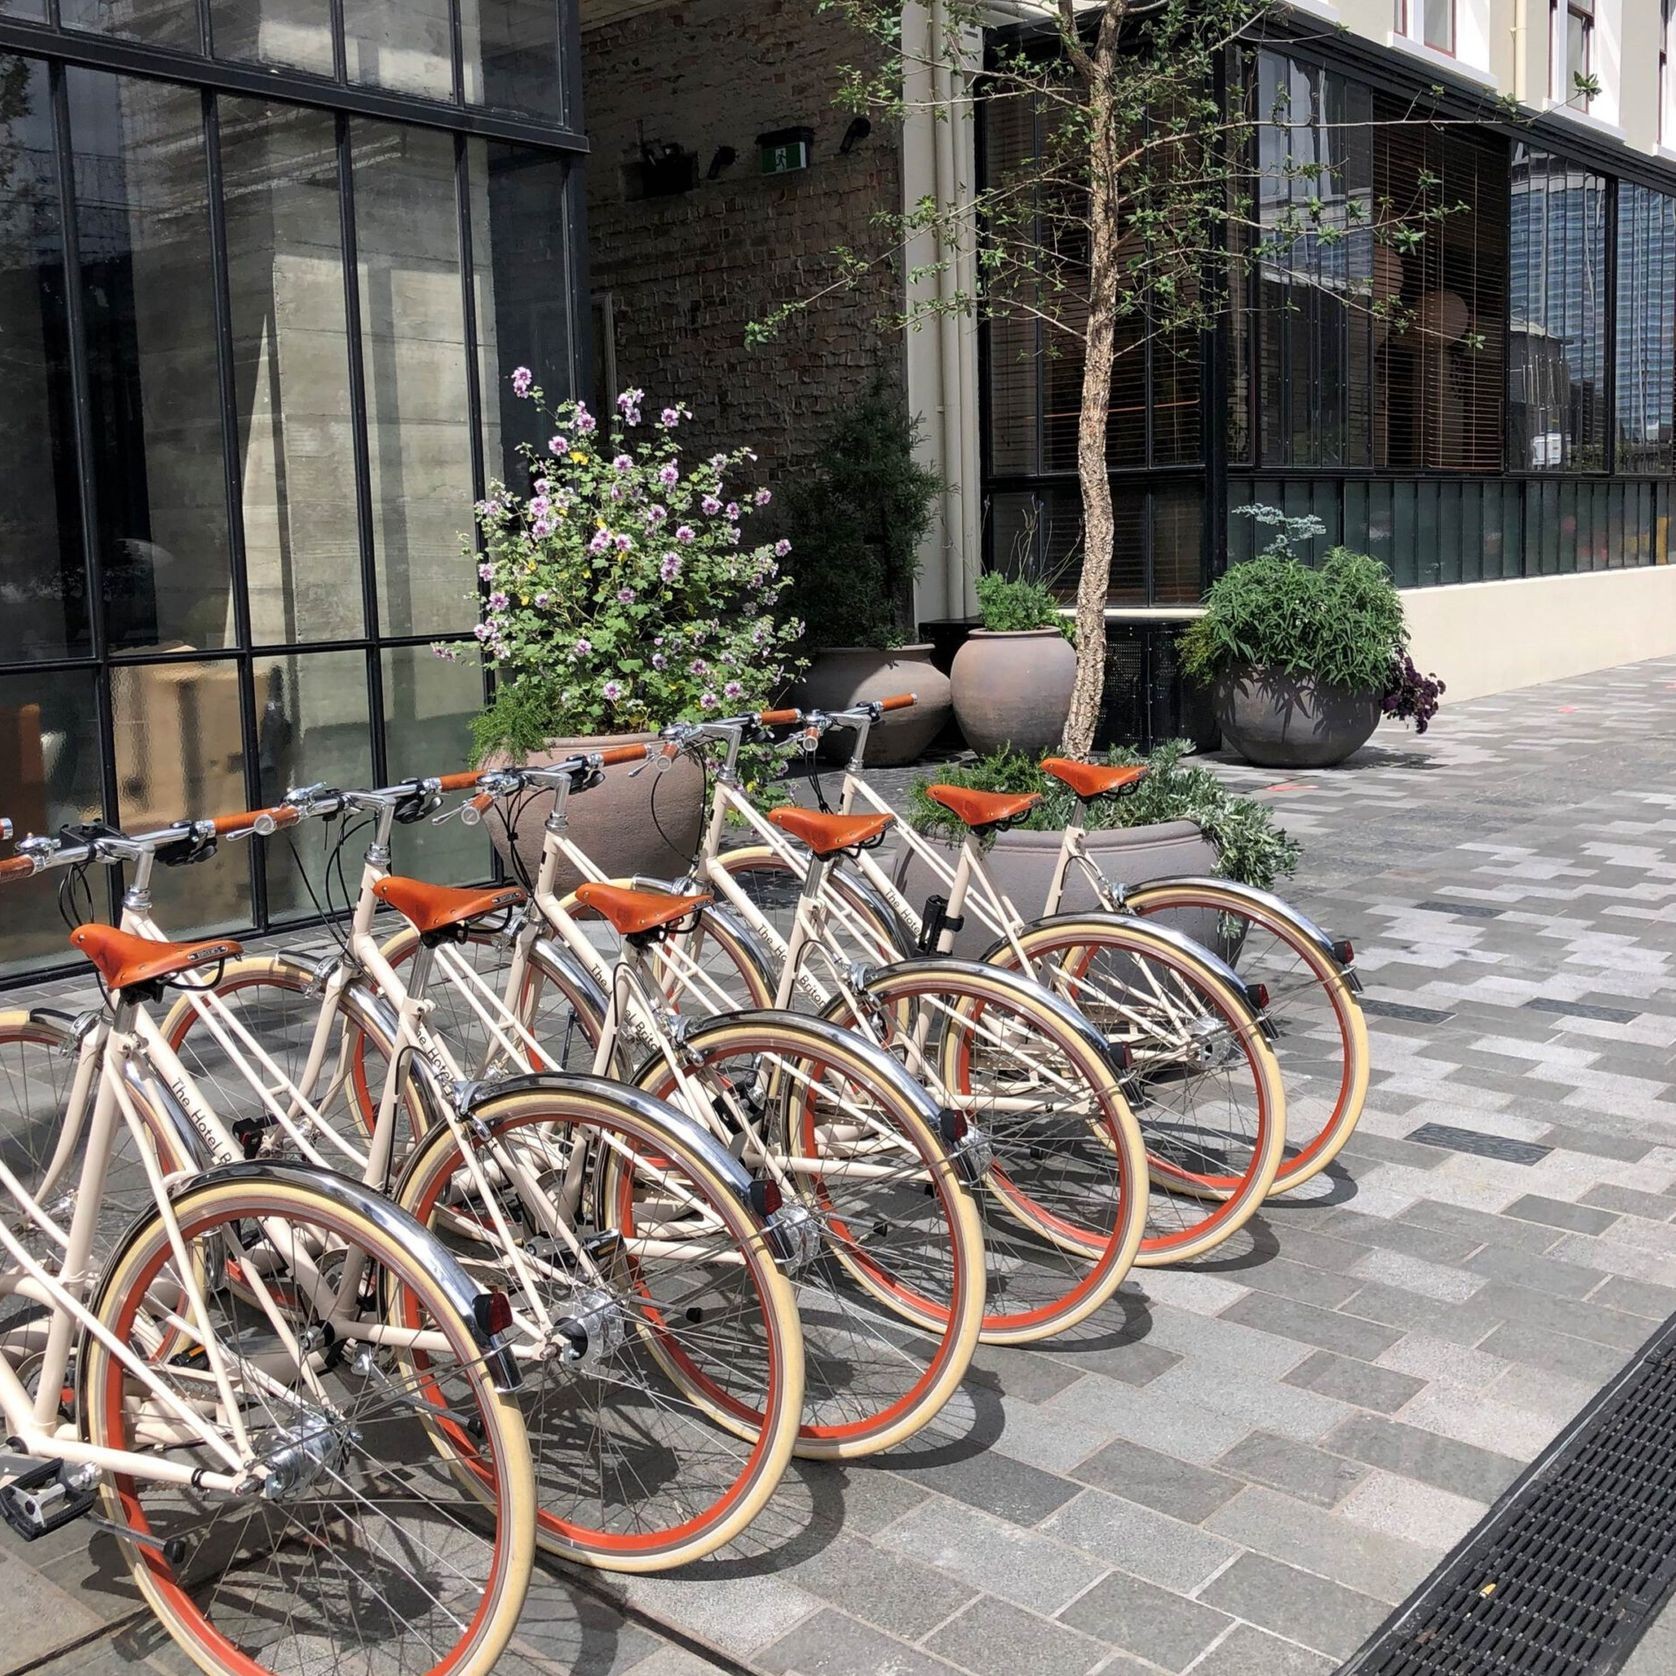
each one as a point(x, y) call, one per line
point(1245, 1464)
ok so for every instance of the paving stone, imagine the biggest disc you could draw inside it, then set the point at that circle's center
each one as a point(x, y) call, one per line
point(1022, 1566)
point(834, 1644)
point(1249, 1651)
point(1414, 1512)
point(1159, 1481)
point(1370, 1561)
point(1355, 1382)
point(1459, 1323)
point(1478, 1418)
point(1287, 1409)
point(1565, 1315)
point(1325, 1329)
point(995, 1639)
point(1297, 1604)
point(1544, 1274)
point(1597, 1143)
point(40, 1617)
point(1443, 1462)
point(1295, 1280)
point(990, 1481)
point(1283, 1464)
point(1028, 1375)
point(888, 1587)
point(1138, 1540)
point(1437, 1281)
point(1437, 1358)
point(1637, 1297)
point(1575, 1358)
point(1561, 1213)
point(1479, 1226)
point(1657, 1207)
point(1156, 1624)
point(1184, 1428)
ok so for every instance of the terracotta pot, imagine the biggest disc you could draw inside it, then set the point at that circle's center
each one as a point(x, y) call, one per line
point(1292, 721)
point(647, 824)
point(1013, 688)
point(844, 675)
point(1021, 864)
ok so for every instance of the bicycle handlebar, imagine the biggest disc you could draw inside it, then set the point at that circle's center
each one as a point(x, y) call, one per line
point(17, 867)
point(256, 820)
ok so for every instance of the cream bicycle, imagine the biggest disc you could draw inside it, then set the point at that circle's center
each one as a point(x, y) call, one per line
point(291, 1407)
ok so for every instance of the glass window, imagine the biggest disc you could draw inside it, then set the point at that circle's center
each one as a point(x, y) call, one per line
point(291, 371)
point(294, 33)
point(148, 309)
point(428, 707)
point(33, 9)
point(312, 725)
point(1178, 566)
point(404, 45)
point(49, 776)
point(1579, 53)
point(1646, 329)
point(179, 749)
point(1557, 352)
point(512, 56)
point(1440, 340)
point(522, 262)
point(407, 238)
point(1437, 24)
point(43, 579)
point(159, 22)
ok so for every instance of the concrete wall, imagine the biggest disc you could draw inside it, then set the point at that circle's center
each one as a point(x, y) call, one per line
point(1489, 637)
point(688, 272)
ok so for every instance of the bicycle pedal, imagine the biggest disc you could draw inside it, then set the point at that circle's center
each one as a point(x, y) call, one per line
point(38, 1502)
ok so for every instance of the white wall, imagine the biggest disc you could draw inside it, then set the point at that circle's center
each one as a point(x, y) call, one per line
point(1488, 637)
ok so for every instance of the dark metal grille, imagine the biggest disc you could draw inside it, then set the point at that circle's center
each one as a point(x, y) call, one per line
point(1569, 1569)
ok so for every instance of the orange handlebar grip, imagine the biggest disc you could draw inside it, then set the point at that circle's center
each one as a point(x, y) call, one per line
point(483, 802)
point(902, 701)
point(463, 781)
point(624, 753)
point(282, 814)
point(16, 867)
point(780, 718)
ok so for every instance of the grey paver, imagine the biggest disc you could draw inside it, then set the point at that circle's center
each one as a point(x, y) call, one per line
point(1561, 1213)
point(1137, 1539)
point(1297, 1604)
point(1154, 1623)
point(1249, 1651)
point(1365, 1385)
point(1325, 1329)
point(1283, 1464)
point(834, 1644)
point(1022, 1566)
point(1462, 1468)
point(993, 1638)
point(1156, 1480)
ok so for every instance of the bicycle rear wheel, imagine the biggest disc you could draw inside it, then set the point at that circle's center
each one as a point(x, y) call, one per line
point(1320, 1033)
point(362, 1549)
point(891, 1289)
point(1064, 1200)
point(1202, 1081)
point(662, 1420)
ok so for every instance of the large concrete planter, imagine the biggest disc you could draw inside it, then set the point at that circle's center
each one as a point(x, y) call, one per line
point(1013, 688)
point(1021, 863)
point(1292, 721)
point(844, 675)
point(646, 824)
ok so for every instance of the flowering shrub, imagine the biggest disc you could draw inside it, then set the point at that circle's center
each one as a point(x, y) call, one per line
point(1409, 695)
point(620, 594)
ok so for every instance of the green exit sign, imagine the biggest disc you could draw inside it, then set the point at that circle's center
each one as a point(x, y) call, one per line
point(786, 150)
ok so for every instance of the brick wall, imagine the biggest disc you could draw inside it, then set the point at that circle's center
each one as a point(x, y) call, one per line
point(687, 273)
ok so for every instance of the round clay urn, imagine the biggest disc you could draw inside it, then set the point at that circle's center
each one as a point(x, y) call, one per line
point(1013, 688)
point(646, 823)
point(841, 676)
point(1292, 721)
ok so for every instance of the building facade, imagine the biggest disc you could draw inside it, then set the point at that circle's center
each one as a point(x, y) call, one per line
point(263, 266)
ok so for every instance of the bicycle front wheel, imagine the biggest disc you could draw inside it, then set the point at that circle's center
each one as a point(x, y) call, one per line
point(1320, 1033)
point(356, 1546)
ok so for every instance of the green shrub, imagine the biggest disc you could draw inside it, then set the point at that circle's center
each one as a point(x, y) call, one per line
point(1340, 621)
point(856, 516)
point(1250, 847)
point(1009, 604)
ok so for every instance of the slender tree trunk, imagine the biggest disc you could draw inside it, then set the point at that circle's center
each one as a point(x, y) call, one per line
point(1094, 417)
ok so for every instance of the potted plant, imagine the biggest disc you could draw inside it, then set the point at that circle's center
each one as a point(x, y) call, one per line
point(1303, 660)
point(620, 595)
point(1179, 819)
point(856, 517)
point(1012, 679)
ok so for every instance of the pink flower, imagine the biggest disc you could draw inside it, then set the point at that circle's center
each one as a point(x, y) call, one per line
point(670, 569)
point(522, 379)
point(486, 571)
point(733, 690)
point(625, 596)
point(711, 505)
point(733, 510)
point(559, 445)
point(622, 463)
point(612, 691)
point(686, 533)
point(708, 701)
point(670, 475)
point(781, 548)
point(669, 418)
point(763, 497)
point(586, 423)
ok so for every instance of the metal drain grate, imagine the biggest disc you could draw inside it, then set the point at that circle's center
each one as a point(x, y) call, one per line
point(1509, 1151)
point(1567, 1571)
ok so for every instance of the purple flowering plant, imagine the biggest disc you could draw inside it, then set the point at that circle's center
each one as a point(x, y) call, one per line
point(591, 625)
